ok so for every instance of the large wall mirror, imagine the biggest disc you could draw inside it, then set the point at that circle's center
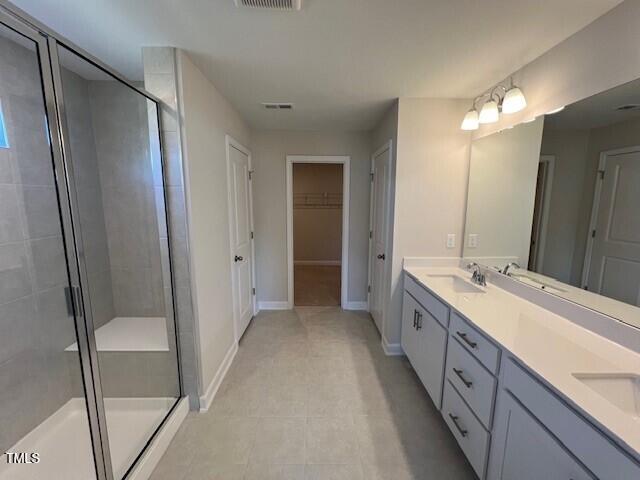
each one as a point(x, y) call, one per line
point(560, 197)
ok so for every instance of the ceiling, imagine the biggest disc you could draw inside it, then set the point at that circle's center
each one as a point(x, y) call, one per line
point(598, 110)
point(341, 62)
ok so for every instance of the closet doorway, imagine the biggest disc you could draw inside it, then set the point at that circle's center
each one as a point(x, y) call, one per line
point(317, 230)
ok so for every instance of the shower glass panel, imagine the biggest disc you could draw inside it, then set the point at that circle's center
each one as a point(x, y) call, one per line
point(113, 146)
point(44, 426)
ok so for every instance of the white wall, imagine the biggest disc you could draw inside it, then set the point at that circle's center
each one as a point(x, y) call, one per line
point(432, 167)
point(270, 149)
point(602, 55)
point(317, 230)
point(569, 147)
point(207, 116)
point(502, 187)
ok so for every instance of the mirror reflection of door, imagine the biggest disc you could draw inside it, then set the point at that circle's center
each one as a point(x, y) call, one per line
point(541, 206)
point(615, 259)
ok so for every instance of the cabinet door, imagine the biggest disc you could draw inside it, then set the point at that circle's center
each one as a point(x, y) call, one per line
point(409, 336)
point(525, 450)
point(424, 342)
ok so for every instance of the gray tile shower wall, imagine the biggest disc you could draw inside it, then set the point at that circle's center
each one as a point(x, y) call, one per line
point(160, 80)
point(35, 328)
point(121, 133)
point(89, 191)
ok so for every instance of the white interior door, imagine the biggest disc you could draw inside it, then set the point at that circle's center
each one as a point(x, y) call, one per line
point(240, 218)
point(615, 258)
point(379, 228)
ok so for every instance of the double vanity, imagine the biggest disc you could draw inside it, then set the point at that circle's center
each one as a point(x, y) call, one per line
point(527, 393)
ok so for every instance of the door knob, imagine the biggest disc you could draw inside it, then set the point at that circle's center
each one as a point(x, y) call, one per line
point(238, 258)
point(381, 256)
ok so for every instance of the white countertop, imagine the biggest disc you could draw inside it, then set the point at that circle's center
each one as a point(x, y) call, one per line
point(551, 346)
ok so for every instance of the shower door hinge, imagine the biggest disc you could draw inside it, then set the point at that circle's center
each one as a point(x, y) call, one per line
point(372, 177)
point(251, 174)
point(251, 235)
point(253, 291)
point(368, 288)
point(74, 301)
point(370, 233)
point(593, 234)
point(601, 172)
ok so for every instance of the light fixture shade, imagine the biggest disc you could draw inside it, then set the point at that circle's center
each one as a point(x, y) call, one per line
point(470, 121)
point(489, 112)
point(513, 101)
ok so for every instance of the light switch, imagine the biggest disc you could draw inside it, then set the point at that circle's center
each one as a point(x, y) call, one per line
point(473, 240)
point(451, 240)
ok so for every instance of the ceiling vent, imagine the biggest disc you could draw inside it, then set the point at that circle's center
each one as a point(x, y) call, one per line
point(274, 4)
point(630, 106)
point(278, 106)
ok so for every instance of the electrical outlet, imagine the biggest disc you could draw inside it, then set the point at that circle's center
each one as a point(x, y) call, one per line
point(451, 240)
point(473, 240)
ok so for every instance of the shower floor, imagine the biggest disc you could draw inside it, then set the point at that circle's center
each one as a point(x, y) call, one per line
point(64, 444)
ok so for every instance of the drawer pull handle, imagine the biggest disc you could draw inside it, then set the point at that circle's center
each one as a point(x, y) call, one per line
point(415, 318)
point(454, 419)
point(419, 324)
point(463, 336)
point(466, 382)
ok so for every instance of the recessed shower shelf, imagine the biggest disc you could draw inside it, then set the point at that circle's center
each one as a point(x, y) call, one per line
point(131, 334)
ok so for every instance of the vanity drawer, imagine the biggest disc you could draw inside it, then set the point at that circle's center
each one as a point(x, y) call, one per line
point(434, 306)
point(473, 382)
point(467, 430)
point(591, 447)
point(475, 343)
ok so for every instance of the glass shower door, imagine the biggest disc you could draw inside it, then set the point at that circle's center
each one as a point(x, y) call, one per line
point(44, 419)
point(113, 147)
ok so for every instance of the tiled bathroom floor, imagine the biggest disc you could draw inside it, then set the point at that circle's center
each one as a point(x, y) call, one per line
point(312, 396)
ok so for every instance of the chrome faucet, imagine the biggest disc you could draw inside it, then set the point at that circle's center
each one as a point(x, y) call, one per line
point(478, 277)
point(505, 270)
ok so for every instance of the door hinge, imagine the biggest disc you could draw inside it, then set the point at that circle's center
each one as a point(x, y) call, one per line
point(253, 291)
point(370, 233)
point(251, 235)
point(593, 234)
point(251, 174)
point(368, 288)
point(601, 172)
point(372, 177)
point(74, 301)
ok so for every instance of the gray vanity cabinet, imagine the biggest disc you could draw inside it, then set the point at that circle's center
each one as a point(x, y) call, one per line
point(528, 450)
point(424, 342)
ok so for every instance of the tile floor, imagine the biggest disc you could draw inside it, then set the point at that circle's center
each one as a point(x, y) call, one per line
point(315, 285)
point(310, 395)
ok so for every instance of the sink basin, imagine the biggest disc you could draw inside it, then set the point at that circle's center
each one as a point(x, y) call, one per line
point(457, 284)
point(620, 389)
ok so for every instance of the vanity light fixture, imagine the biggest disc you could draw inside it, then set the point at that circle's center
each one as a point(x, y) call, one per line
point(559, 109)
point(512, 100)
point(470, 121)
point(489, 112)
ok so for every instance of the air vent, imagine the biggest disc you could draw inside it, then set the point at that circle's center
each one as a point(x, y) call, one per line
point(630, 106)
point(278, 106)
point(276, 4)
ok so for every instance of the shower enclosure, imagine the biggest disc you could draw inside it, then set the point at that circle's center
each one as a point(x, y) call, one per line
point(89, 366)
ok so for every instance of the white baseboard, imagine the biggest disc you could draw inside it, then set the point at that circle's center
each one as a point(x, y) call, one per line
point(212, 389)
point(356, 306)
point(273, 305)
point(318, 262)
point(152, 455)
point(391, 349)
